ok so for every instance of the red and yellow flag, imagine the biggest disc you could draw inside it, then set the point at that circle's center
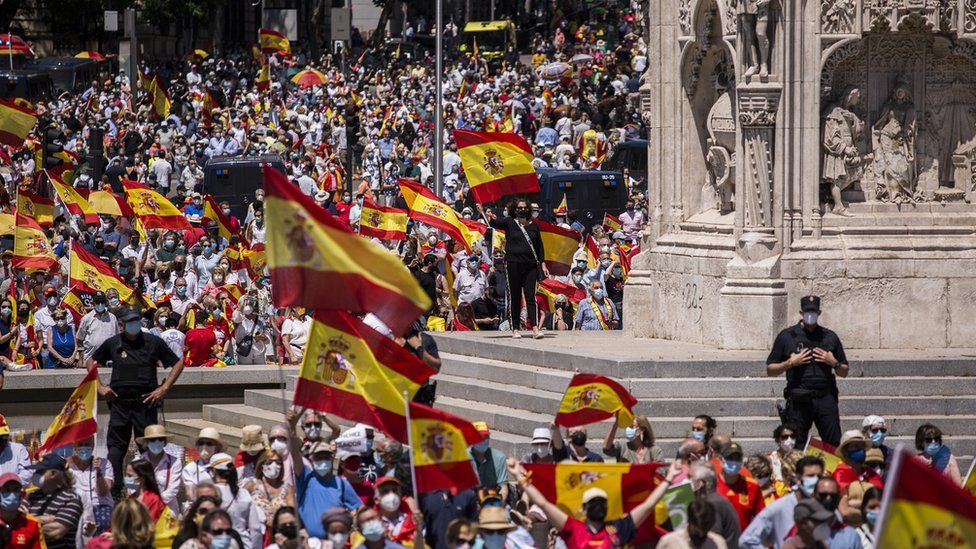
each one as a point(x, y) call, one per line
point(591, 398)
point(167, 526)
point(440, 458)
point(627, 485)
point(317, 262)
point(273, 41)
point(427, 208)
point(74, 303)
point(558, 247)
point(924, 508)
point(109, 203)
point(16, 121)
point(626, 256)
point(550, 288)
point(152, 209)
point(612, 223)
point(353, 371)
point(73, 201)
point(383, 222)
point(31, 248)
point(592, 252)
point(213, 213)
point(8, 223)
point(496, 164)
point(827, 452)
point(77, 419)
point(563, 208)
point(158, 96)
point(37, 207)
point(89, 274)
point(264, 77)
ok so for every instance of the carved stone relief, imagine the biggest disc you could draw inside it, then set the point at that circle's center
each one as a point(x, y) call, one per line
point(837, 16)
point(757, 118)
point(757, 19)
point(729, 17)
point(969, 17)
point(684, 17)
point(843, 146)
point(720, 160)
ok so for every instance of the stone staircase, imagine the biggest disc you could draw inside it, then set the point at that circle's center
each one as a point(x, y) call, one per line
point(516, 386)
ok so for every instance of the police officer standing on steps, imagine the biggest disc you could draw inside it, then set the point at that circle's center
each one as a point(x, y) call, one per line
point(812, 357)
point(133, 394)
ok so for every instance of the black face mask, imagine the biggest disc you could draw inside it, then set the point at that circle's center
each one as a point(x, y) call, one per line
point(829, 501)
point(522, 213)
point(290, 531)
point(22, 313)
point(578, 438)
point(596, 511)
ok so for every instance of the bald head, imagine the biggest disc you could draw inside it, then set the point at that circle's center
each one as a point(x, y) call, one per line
point(691, 449)
point(719, 441)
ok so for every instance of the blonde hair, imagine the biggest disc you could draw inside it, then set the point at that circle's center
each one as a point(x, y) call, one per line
point(132, 527)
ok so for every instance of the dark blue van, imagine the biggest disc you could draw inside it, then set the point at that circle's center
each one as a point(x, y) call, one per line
point(589, 193)
point(235, 178)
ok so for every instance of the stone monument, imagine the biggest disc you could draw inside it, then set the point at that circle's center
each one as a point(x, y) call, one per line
point(809, 147)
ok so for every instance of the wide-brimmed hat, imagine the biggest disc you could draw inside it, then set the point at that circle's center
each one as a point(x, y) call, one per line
point(251, 438)
point(848, 438)
point(495, 517)
point(153, 431)
point(209, 433)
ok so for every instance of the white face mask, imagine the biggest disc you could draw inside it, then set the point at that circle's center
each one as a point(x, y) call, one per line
point(271, 470)
point(810, 318)
point(787, 444)
point(390, 502)
point(280, 446)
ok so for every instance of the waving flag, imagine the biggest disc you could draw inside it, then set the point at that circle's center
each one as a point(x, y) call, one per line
point(74, 302)
point(76, 421)
point(31, 248)
point(592, 252)
point(627, 485)
point(825, 451)
point(440, 457)
point(158, 97)
point(109, 203)
point(612, 223)
point(558, 247)
point(73, 201)
point(37, 207)
point(427, 208)
point(16, 121)
point(353, 371)
point(153, 209)
point(550, 288)
point(383, 222)
point(273, 41)
point(591, 398)
point(89, 274)
point(263, 81)
point(213, 213)
point(496, 164)
point(317, 262)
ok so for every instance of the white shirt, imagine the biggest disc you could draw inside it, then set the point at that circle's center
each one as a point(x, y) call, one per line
point(297, 330)
point(174, 340)
point(196, 472)
point(246, 518)
point(469, 286)
point(169, 474)
point(14, 458)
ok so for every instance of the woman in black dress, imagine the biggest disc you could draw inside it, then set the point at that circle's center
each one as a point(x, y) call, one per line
point(524, 257)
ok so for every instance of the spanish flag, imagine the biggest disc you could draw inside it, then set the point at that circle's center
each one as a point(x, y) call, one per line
point(152, 209)
point(924, 508)
point(8, 223)
point(558, 247)
point(427, 208)
point(273, 41)
point(496, 164)
point(158, 97)
point(73, 201)
point(440, 456)
point(592, 252)
point(353, 371)
point(76, 421)
point(89, 274)
point(16, 121)
point(627, 485)
point(74, 303)
point(31, 248)
point(626, 257)
point(213, 213)
point(549, 288)
point(591, 398)
point(563, 208)
point(386, 118)
point(255, 259)
point(317, 262)
point(38, 207)
point(264, 77)
point(109, 203)
point(257, 55)
point(827, 452)
point(167, 526)
point(383, 222)
point(611, 223)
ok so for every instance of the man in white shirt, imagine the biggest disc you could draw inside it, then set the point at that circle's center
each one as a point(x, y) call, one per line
point(14, 457)
point(470, 282)
point(96, 326)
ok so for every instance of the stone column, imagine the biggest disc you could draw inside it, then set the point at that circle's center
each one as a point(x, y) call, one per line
point(758, 104)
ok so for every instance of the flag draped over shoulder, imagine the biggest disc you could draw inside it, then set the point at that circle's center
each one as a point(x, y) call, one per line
point(76, 421)
point(441, 443)
point(427, 208)
point(273, 41)
point(16, 122)
point(31, 248)
point(550, 288)
point(153, 209)
point(923, 508)
point(591, 398)
point(627, 485)
point(383, 222)
point(496, 164)
point(558, 247)
point(358, 374)
point(317, 262)
point(827, 452)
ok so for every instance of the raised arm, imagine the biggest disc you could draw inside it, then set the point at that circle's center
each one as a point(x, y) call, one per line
point(640, 513)
point(557, 517)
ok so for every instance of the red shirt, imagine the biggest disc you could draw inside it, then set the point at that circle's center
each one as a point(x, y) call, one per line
point(844, 474)
point(198, 346)
point(745, 495)
point(192, 235)
point(154, 503)
point(615, 534)
point(25, 533)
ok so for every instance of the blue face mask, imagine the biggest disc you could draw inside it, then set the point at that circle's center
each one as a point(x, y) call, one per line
point(699, 435)
point(630, 433)
point(378, 460)
point(84, 453)
point(133, 327)
point(10, 501)
point(598, 294)
point(220, 542)
point(156, 446)
point(808, 485)
point(207, 250)
point(323, 468)
point(932, 448)
point(99, 307)
point(732, 467)
point(131, 483)
point(481, 447)
point(871, 517)
point(877, 438)
point(857, 456)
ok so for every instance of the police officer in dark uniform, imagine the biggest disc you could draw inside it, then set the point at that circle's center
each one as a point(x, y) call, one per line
point(813, 358)
point(133, 394)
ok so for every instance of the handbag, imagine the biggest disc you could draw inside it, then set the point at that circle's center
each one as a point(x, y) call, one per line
point(246, 343)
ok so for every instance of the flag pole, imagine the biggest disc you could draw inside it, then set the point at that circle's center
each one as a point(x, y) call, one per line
point(888, 495)
point(406, 405)
point(439, 99)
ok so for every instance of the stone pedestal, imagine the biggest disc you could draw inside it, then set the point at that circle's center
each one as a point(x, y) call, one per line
point(752, 304)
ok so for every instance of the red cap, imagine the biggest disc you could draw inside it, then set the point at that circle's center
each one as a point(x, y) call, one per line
point(49, 291)
point(383, 480)
point(10, 477)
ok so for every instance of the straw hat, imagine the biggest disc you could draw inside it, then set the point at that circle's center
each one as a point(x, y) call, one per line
point(494, 517)
point(209, 433)
point(251, 438)
point(153, 431)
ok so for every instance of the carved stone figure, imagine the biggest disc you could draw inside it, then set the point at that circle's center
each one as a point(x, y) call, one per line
point(755, 18)
point(719, 189)
point(843, 162)
point(894, 146)
point(837, 16)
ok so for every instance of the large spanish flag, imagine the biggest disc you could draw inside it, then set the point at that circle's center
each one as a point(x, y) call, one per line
point(76, 421)
point(383, 222)
point(591, 398)
point(427, 208)
point(550, 288)
point(158, 97)
point(924, 508)
point(109, 203)
point(153, 209)
point(317, 262)
point(353, 371)
point(73, 201)
point(31, 248)
point(825, 451)
point(38, 207)
point(627, 485)
point(440, 457)
point(213, 213)
point(496, 164)
point(558, 247)
point(16, 121)
point(273, 41)
point(89, 274)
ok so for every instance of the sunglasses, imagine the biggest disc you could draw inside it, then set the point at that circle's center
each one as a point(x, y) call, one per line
point(313, 425)
point(282, 439)
point(933, 439)
point(880, 430)
point(220, 532)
